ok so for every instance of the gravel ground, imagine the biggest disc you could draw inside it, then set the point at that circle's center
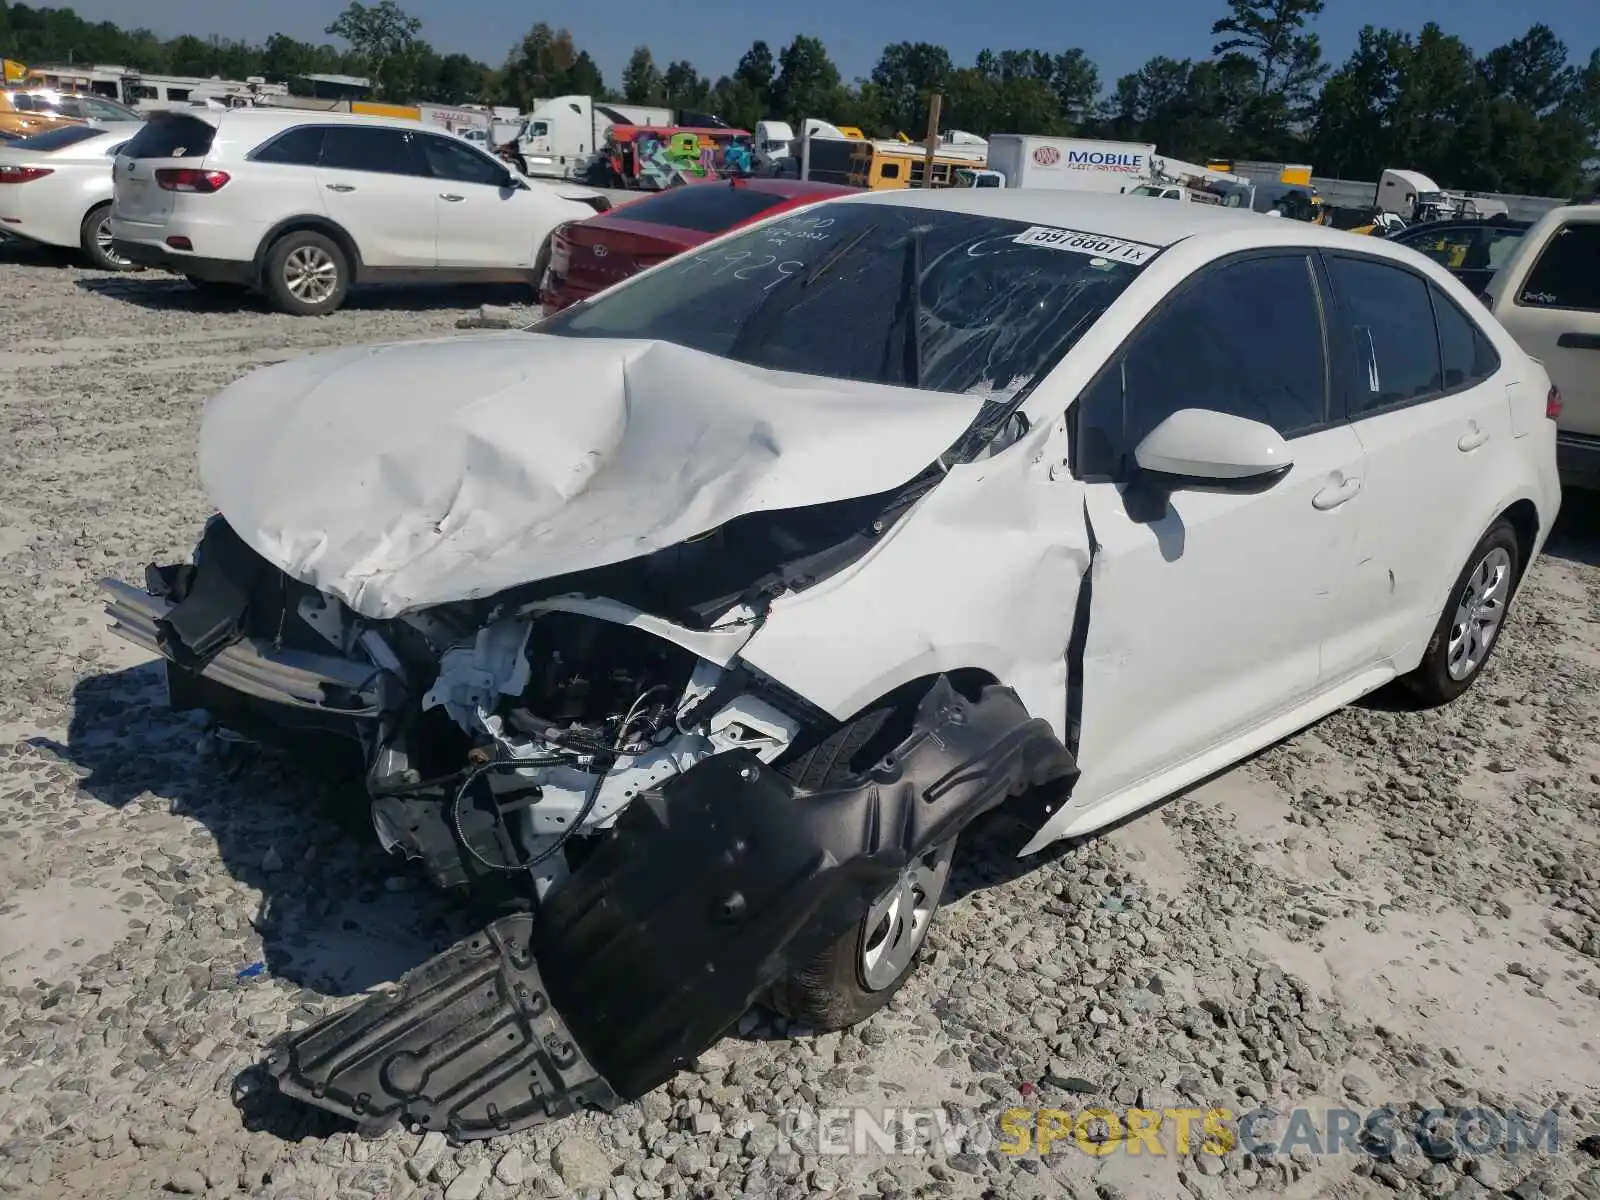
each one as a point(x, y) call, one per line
point(1388, 909)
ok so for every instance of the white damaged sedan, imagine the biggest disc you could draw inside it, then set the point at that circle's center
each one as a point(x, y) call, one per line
point(703, 617)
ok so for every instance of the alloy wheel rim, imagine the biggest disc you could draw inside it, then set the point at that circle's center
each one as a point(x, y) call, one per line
point(897, 925)
point(1480, 612)
point(102, 239)
point(310, 274)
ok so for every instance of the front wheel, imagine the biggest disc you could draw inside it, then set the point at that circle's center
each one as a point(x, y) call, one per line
point(94, 238)
point(306, 274)
point(860, 972)
point(1469, 628)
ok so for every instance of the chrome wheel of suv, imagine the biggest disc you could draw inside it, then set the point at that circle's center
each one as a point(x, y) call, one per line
point(311, 274)
point(306, 273)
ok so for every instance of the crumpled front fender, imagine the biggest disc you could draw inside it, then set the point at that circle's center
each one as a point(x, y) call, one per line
point(708, 891)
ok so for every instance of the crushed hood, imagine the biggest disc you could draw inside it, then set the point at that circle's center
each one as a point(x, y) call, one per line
point(397, 477)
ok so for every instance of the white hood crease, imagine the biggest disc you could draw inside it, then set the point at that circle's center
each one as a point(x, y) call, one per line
point(398, 477)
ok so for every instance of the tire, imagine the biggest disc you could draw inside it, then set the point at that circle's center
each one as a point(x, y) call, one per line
point(860, 973)
point(94, 239)
point(1472, 621)
point(306, 274)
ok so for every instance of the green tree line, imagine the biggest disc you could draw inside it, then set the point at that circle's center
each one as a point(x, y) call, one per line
point(1522, 117)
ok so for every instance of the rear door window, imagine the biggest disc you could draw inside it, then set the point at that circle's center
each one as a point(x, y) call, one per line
point(1387, 320)
point(1466, 353)
point(370, 148)
point(300, 147)
point(703, 207)
point(1567, 274)
point(176, 136)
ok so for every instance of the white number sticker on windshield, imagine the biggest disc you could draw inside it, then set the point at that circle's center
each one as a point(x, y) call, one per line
point(1092, 244)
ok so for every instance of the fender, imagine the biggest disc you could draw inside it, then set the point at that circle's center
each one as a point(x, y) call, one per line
point(708, 891)
point(315, 222)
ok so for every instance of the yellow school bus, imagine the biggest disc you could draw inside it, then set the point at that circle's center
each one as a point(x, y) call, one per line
point(872, 166)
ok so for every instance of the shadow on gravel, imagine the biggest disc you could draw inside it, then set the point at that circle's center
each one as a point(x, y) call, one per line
point(1576, 536)
point(31, 254)
point(337, 915)
point(168, 293)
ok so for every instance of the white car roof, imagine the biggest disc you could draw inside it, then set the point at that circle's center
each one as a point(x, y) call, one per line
point(1132, 218)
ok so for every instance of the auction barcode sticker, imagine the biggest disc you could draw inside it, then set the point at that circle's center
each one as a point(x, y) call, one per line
point(1092, 244)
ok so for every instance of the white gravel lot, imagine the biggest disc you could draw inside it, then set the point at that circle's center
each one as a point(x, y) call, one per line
point(1391, 908)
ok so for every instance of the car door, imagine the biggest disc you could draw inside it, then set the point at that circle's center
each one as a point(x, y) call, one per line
point(1208, 608)
point(1555, 316)
point(484, 219)
point(375, 184)
point(1428, 425)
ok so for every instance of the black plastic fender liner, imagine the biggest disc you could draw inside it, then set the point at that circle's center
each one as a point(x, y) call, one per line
point(726, 879)
point(467, 1043)
point(706, 892)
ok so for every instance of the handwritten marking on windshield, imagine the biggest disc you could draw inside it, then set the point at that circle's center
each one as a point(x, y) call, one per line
point(1092, 244)
point(743, 265)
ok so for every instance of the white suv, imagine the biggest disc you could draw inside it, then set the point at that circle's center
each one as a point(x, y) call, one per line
point(301, 205)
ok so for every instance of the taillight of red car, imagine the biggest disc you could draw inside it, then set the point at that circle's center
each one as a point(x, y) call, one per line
point(1552, 403)
point(191, 179)
point(23, 174)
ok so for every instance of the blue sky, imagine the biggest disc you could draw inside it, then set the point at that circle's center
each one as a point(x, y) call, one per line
point(712, 34)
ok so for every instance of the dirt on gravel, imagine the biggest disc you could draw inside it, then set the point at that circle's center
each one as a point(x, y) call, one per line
point(1390, 914)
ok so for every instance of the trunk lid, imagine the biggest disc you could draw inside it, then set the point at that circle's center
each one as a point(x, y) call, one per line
point(605, 251)
point(168, 140)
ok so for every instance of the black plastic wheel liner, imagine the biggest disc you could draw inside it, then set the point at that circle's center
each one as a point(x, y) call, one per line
point(706, 892)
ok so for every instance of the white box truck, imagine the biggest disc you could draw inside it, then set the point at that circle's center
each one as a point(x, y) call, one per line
point(1071, 164)
point(561, 135)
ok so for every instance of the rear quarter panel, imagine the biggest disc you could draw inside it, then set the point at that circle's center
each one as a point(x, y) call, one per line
point(257, 198)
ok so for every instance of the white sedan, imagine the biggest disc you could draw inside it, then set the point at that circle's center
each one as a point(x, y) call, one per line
point(55, 190)
point(754, 579)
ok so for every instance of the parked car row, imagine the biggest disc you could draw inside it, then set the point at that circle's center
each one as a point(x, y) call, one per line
point(303, 206)
point(26, 111)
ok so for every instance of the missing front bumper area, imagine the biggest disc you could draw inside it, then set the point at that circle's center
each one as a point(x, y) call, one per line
point(708, 891)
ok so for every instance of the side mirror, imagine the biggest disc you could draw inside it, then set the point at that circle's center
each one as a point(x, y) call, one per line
point(1216, 449)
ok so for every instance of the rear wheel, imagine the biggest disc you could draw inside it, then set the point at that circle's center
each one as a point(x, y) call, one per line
point(859, 974)
point(1469, 628)
point(94, 238)
point(306, 274)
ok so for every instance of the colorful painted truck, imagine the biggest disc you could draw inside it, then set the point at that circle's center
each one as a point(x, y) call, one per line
point(654, 158)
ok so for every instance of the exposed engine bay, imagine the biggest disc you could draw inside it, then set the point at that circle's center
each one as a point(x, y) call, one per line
point(569, 718)
point(493, 733)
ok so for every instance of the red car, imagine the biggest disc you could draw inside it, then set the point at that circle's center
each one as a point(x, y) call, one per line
point(588, 256)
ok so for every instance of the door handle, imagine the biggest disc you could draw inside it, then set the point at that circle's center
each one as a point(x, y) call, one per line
point(1339, 493)
point(1472, 439)
point(340, 187)
point(1579, 341)
point(450, 196)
